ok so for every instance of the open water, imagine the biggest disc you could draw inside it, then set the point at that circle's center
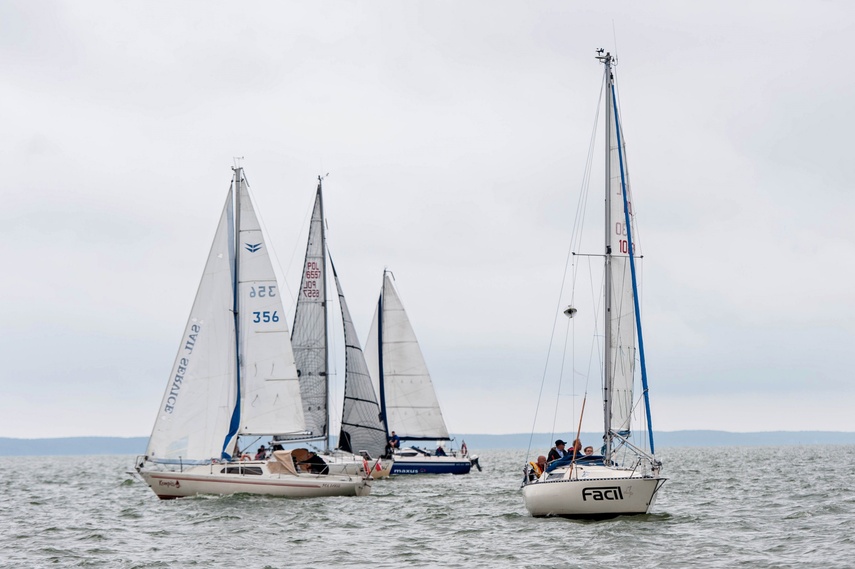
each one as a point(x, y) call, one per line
point(722, 507)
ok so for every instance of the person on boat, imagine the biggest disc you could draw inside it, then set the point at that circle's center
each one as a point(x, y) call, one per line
point(440, 451)
point(537, 468)
point(589, 451)
point(315, 464)
point(261, 454)
point(394, 441)
point(556, 452)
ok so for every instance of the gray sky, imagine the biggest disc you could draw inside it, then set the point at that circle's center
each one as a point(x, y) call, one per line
point(455, 134)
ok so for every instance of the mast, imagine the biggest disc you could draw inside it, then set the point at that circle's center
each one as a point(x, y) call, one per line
point(326, 314)
point(309, 336)
point(607, 308)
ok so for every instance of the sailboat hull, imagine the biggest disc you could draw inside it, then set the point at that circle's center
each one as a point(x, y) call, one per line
point(588, 497)
point(255, 479)
point(431, 465)
point(346, 463)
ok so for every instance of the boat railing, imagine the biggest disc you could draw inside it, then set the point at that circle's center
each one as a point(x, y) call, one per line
point(639, 452)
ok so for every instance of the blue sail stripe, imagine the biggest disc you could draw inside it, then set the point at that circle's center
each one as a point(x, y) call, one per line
point(235, 420)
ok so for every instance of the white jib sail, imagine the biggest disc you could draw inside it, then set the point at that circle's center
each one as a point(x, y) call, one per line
point(412, 409)
point(309, 338)
point(194, 415)
point(623, 330)
point(270, 391)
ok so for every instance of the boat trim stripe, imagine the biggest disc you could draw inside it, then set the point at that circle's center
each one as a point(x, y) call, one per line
point(249, 482)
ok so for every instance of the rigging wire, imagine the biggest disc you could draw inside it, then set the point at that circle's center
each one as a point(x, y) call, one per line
point(271, 249)
point(575, 239)
point(303, 227)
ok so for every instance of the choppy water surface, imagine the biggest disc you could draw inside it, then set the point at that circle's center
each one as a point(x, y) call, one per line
point(723, 507)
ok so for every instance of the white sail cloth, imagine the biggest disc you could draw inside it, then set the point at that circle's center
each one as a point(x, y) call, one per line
point(403, 381)
point(271, 401)
point(197, 405)
point(210, 399)
point(623, 328)
point(309, 338)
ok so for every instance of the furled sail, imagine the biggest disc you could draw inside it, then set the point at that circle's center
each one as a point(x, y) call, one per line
point(309, 338)
point(399, 370)
point(623, 328)
point(361, 426)
point(271, 393)
point(200, 395)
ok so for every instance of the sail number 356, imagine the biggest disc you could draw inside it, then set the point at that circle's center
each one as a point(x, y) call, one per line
point(262, 291)
point(266, 316)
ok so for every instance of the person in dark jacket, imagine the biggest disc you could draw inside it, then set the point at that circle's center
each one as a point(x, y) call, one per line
point(557, 451)
point(394, 441)
point(315, 464)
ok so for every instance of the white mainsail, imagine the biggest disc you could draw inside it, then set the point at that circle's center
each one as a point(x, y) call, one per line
point(194, 415)
point(271, 393)
point(399, 372)
point(361, 425)
point(211, 397)
point(623, 351)
point(309, 339)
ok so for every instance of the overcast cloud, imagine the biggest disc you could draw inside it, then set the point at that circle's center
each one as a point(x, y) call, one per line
point(455, 135)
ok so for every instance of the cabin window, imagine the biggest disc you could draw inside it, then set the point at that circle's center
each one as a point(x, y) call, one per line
point(253, 470)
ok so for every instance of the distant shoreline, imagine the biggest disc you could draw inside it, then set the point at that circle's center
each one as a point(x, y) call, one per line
point(136, 445)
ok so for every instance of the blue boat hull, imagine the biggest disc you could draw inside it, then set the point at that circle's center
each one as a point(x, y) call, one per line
point(431, 467)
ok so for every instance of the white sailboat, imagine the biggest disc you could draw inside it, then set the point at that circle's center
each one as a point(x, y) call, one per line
point(408, 400)
point(362, 439)
point(234, 376)
point(625, 478)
